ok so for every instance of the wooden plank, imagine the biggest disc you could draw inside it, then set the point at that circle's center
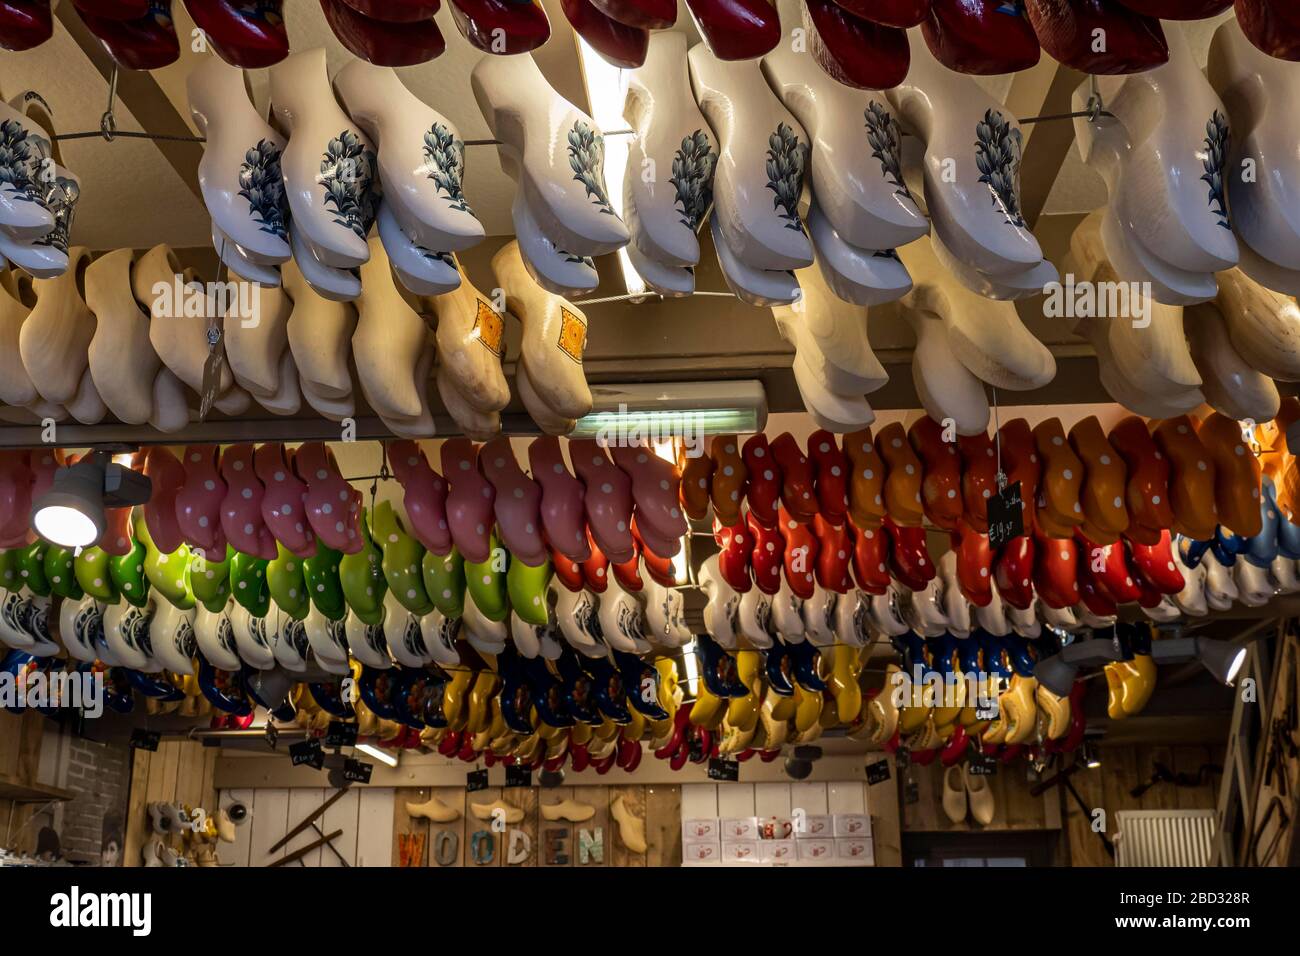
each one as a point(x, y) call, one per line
point(886, 818)
point(525, 798)
point(136, 817)
point(375, 826)
point(269, 824)
point(301, 804)
point(663, 828)
point(342, 815)
point(189, 773)
point(238, 853)
point(634, 801)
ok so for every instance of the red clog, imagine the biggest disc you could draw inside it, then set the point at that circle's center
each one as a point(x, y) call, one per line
point(381, 42)
point(502, 27)
point(983, 37)
point(146, 43)
point(247, 35)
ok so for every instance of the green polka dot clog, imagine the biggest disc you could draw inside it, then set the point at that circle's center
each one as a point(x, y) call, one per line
point(126, 571)
point(287, 585)
point(210, 580)
point(31, 568)
point(361, 577)
point(61, 574)
point(526, 586)
point(401, 562)
point(168, 574)
point(323, 584)
point(444, 581)
point(91, 569)
point(248, 583)
point(486, 581)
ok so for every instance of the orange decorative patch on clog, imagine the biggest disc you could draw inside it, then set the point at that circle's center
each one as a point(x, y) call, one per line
point(1147, 490)
point(866, 479)
point(573, 335)
point(941, 497)
point(1191, 478)
point(1236, 474)
point(903, 481)
point(1105, 477)
point(489, 329)
point(1058, 508)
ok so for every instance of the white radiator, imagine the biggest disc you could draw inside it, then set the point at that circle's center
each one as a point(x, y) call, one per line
point(1164, 837)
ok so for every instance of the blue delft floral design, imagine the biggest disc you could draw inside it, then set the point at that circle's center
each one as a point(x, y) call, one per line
point(998, 148)
point(587, 159)
point(444, 157)
point(786, 160)
point(886, 143)
point(347, 171)
point(262, 184)
point(61, 200)
point(1217, 137)
point(21, 157)
point(692, 178)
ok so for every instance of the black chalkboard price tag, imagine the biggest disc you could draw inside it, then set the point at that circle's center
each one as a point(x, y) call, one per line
point(1006, 513)
point(476, 780)
point(719, 769)
point(878, 772)
point(145, 740)
point(307, 753)
point(341, 734)
point(519, 777)
point(356, 771)
point(982, 767)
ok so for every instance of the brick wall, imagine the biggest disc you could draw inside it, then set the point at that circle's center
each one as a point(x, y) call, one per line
point(99, 775)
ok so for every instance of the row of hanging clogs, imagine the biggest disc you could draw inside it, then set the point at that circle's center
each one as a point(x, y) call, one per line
point(141, 35)
point(117, 336)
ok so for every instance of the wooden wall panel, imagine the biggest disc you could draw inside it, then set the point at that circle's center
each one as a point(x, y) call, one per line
point(634, 803)
point(663, 831)
point(1110, 787)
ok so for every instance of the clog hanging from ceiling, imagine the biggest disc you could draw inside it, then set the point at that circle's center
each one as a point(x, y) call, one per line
point(1272, 25)
point(1067, 30)
point(145, 43)
point(981, 36)
point(25, 23)
point(383, 42)
point(243, 34)
point(622, 45)
point(853, 50)
point(502, 27)
point(736, 29)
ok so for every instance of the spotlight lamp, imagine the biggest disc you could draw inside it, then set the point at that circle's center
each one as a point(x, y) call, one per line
point(71, 512)
point(1223, 659)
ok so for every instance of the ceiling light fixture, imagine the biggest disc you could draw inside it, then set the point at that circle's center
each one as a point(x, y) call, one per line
point(382, 756)
point(71, 512)
point(1223, 659)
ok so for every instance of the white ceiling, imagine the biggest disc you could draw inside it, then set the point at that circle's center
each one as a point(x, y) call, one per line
point(132, 197)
